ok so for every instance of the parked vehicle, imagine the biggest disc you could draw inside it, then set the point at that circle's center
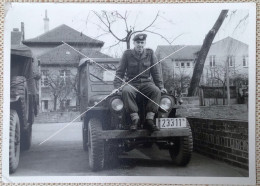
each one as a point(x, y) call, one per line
point(23, 102)
point(105, 127)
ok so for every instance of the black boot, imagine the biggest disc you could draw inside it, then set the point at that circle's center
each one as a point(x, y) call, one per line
point(151, 126)
point(134, 125)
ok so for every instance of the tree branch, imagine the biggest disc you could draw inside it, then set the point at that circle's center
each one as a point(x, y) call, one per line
point(142, 30)
point(242, 20)
point(109, 27)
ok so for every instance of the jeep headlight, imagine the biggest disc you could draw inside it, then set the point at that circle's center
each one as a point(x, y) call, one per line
point(117, 104)
point(166, 104)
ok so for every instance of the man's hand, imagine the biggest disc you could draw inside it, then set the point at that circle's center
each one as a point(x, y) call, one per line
point(163, 90)
point(115, 91)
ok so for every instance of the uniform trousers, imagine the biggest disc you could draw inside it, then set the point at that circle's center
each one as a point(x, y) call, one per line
point(147, 88)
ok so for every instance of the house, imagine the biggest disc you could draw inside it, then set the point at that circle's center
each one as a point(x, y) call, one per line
point(227, 55)
point(226, 51)
point(63, 33)
point(59, 63)
point(177, 63)
point(181, 62)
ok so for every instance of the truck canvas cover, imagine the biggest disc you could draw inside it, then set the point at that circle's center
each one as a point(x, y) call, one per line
point(21, 50)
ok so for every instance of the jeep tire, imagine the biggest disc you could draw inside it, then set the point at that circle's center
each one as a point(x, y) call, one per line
point(85, 133)
point(181, 151)
point(19, 88)
point(14, 141)
point(95, 145)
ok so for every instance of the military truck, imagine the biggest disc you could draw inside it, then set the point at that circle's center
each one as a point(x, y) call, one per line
point(23, 101)
point(105, 126)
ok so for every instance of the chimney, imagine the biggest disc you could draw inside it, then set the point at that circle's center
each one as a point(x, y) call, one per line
point(22, 30)
point(46, 22)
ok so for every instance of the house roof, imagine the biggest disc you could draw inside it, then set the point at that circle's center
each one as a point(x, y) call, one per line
point(229, 46)
point(187, 53)
point(66, 34)
point(65, 55)
point(16, 38)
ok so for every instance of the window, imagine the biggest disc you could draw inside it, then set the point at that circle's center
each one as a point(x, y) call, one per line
point(182, 65)
point(177, 64)
point(245, 61)
point(212, 61)
point(96, 73)
point(231, 61)
point(44, 79)
point(64, 75)
point(188, 64)
point(45, 104)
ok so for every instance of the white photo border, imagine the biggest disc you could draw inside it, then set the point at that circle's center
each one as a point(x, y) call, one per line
point(142, 179)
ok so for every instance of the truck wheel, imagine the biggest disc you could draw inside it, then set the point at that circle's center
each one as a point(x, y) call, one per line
point(26, 138)
point(19, 88)
point(31, 110)
point(95, 145)
point(181, 151)
point(85, 134)
point(14, 141)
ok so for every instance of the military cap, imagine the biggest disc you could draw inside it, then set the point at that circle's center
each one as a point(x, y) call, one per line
point(140, 37)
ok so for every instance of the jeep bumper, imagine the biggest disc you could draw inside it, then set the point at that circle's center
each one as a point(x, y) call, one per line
point(126, 134)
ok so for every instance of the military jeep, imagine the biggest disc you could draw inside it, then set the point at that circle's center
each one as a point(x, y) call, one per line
point(105, 127)
point(23, 102)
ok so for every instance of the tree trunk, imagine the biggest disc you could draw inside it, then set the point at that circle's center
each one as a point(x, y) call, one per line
point(128, 44)
point(227, 80)
point(55, 103)
point(200, 61)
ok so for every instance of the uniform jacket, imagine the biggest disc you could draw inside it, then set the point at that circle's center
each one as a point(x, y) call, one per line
point(132, 64)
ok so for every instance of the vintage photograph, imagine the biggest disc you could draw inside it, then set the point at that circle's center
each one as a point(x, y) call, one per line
point(130, 93)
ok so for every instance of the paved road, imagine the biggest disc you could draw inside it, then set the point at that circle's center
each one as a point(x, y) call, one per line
point(63, 155)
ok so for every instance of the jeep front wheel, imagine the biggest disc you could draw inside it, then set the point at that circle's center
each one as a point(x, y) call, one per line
point(181, 151)
point(95, 145)
point(14, 141)
point(85, 133)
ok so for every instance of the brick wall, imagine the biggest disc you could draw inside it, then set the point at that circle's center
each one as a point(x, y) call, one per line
point(56, 117)
point(225, 140)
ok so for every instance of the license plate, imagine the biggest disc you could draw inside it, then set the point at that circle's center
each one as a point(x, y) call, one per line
point(166, 123)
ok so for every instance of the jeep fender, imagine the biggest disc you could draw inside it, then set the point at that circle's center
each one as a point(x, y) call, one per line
point(97, 112)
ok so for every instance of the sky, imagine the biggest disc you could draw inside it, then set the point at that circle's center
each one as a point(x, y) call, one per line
point(187, 23)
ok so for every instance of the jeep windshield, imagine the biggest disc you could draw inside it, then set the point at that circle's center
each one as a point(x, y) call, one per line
point(102, 72)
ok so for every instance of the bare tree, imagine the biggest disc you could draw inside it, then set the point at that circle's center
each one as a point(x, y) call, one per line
point(108, 19)
point(61, 88)
point(177, 82)
point(200, 61)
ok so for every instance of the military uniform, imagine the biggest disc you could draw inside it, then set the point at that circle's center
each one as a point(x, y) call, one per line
point(149, 82)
